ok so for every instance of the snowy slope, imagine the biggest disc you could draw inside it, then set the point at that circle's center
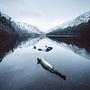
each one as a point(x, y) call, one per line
point(78, 20)
point(3, 15)
point(6, 25)
point(10, 26)
point(28, 28)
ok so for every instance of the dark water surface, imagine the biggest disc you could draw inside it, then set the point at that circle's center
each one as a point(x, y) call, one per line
point(19, 69)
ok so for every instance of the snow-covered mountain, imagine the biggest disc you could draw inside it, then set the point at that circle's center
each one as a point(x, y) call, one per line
point(4, 15)
point(29, 28)
point(10, 27)
point(84, 18)
point(6, 26)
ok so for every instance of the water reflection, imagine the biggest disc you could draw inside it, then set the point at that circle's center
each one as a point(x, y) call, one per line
point(19, 70)
point(78, 45)
point(8, 44)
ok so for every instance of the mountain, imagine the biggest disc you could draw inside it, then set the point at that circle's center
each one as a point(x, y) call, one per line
point(29, 28)
point(6, 27)
point(10, 27)
point(80, 26)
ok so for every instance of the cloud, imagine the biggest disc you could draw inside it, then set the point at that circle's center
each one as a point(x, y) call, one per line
point(30, 13)
point(20, 8)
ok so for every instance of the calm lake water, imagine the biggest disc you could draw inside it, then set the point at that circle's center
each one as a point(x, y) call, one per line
point(19, 69)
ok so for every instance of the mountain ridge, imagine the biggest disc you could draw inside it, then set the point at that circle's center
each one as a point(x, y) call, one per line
point(83, 18)
point(28, 27)
point(9, 27)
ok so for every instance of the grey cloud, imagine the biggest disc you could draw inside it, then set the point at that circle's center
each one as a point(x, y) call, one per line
point(29, 13)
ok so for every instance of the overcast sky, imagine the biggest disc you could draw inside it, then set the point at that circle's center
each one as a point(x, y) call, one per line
point(44, 14)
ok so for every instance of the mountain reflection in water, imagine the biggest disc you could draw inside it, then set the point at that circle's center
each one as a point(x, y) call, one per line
point(8, 44)
point(19, 71)
point(78, 45)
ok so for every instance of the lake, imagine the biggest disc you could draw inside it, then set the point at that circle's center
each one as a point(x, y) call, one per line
point(19, 69)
